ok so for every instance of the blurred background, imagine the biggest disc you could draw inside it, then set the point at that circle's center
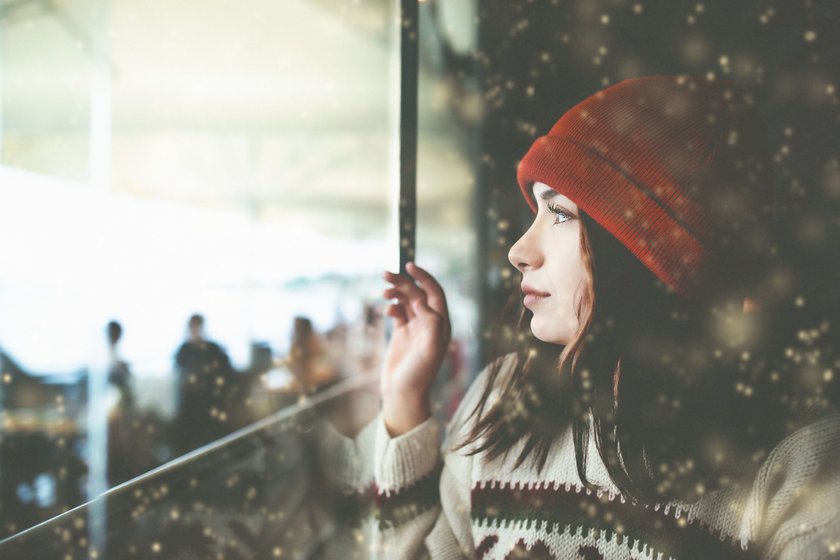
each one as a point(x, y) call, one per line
point(195, 201)
point(231, 161)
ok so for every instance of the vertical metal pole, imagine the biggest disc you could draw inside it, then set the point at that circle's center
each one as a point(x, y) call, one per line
point(409, 59)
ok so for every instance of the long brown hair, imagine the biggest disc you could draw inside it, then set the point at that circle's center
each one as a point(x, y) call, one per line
point(675, 392)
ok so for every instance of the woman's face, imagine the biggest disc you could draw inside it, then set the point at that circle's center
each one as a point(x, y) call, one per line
point(551, 262)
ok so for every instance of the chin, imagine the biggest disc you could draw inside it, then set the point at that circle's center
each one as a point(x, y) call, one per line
point(550, 333)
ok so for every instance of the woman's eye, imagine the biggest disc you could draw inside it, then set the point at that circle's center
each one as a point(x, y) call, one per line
point(560, 215)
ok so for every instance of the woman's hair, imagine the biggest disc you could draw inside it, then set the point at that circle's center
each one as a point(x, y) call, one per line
point(681, 395)
point(680, 389)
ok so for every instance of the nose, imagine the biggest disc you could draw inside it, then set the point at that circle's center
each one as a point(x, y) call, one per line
point(524, 254)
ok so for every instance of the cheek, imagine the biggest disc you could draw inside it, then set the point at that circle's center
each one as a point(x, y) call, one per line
point(569, 278)
point(570, 287)
point(557, 322)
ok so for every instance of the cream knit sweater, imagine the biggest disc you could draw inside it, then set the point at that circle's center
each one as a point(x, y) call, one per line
point(442, 505)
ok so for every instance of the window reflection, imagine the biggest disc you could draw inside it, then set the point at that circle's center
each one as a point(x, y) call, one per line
point(248, 185)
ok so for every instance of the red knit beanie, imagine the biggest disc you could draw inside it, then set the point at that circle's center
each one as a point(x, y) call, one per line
point(671, 166)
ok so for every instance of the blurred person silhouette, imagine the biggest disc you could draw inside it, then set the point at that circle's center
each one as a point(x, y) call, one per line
point(309, 359)
point(119, 374)
point(368, 339)
point(205, 376)
point(132, 432)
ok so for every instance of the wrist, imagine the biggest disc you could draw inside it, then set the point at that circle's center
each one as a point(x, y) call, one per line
point(403, 415)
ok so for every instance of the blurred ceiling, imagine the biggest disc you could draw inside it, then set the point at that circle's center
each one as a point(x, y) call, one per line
point(254, 106)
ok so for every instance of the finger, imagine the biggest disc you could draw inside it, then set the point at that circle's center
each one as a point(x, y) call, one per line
point(435, 295)
point(402, 299)
point(397, 312)
point(423, 310)
point(395, 293)
point(426, 313)
point(406, 285)
point(436, 298)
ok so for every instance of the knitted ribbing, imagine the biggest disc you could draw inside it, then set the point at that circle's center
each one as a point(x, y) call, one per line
point(653, 160)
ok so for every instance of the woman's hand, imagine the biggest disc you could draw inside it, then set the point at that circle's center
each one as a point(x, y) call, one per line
point(416, 349)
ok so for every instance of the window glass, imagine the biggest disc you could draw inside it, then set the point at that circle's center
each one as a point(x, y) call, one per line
point(218, 258)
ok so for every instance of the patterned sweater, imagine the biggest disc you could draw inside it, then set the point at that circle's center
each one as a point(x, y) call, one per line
point(448, 505)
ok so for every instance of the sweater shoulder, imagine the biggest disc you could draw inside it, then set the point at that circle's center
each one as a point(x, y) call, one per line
point(798, 486)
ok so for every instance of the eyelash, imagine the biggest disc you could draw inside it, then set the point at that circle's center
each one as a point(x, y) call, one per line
point(556, 211)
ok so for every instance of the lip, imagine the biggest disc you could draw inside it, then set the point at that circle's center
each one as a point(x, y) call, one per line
point(532, 295)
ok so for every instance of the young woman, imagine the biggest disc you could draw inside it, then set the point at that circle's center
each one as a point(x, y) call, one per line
point(651, 406)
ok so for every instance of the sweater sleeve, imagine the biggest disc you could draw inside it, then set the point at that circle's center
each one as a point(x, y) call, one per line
point(424, 493)
point(420, 490)
point(422, 501)
point(419, 499)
